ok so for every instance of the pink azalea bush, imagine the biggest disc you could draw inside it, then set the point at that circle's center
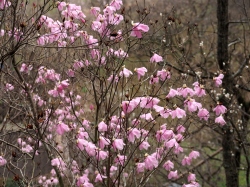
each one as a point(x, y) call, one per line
point(122, 136)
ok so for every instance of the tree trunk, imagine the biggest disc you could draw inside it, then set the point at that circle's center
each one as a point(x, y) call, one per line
point(230, 159)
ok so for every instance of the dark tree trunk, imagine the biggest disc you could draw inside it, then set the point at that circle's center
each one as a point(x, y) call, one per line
point(231, 158)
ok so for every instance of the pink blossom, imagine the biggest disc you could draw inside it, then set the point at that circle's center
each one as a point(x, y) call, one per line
point(101, 155)
point(178, 149)
point(179, 113)
point(203, 114)
point(186, 161)
point(156, 58)
point(220, 109)
point(102, 127)
point(218, 80)
point(62, 128)
point(192, 105)
point(163, 74)
point(164, 134)
point(26, 68)
point(144, 145)
point(133, 133)
point(118, 144)
point(172, 93)
point(90, 149)
point(2, 161)
point(148, 102)
point(83, 181)
point(140, 72)
point(125, 73)
point(60, 5)
point(140, 167)
point(150, 162)
point(173, 174)
point(191, 177)
point(4, 4)
point(199, 89)
point(168, 165)
point(147, 117)
point(185, 91)
point(129, 106)
point(114, 78)
point(9, 87)
point(78, 65)
point(153, 79)
point(138, 28)
point(220, 120)
point(81, 143)
point(2, 32)
point(116, 3)
point(71, 73)
point(171, 143)
point(99, 177)
point(194, 154)
point(180, 129)
point(121, 159)
point(95, 11)
point(103, 142)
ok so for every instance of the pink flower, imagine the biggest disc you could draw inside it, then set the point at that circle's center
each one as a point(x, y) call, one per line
point(2, 32)
point(2, 161)
point(99, 177)
point(118, 144)
point(172, 93)
point(9, 87)
point(62, 128)
point(144, 145)
point(220, 109)
point(101, 155)
point(153, 79)
point(163, 74)
point(129, 106)
point(218, 80)
point(26, 68)
point(138, 28)
point(121, 159)
point(191, 177)
point(164, 134)
point(71, 73)
point(186, 161)
point(148, 102)
point(102, 127)
point(114, 78)
point(156, 58)
point(203, 114)
point(168, 165)
point(133, 133)
point(147, 117)
point(171, 143)
point(150, 162)
point(220, 120)
point(199, 89)
point(4, 4)
point(140, 72)
point(173, 175)
point(91, 149)
point(81, 143)
point(78, 65)
point(180, 129)
point(194, 154)
point(116, 3)
point(95, 11)
point(103, 142)
point(125, 73)
point(179, 113)
point(185, 91)
point(60, 5)
point(140, 167)
point(192, 105)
